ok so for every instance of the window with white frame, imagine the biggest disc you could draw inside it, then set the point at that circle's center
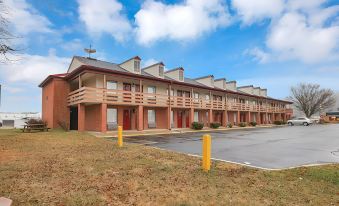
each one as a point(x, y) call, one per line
point(151, 89)
point(151, 118)
point(207, 97)
point(112, 85)
point(196, 116)
point(112, 118)
point(196, 95)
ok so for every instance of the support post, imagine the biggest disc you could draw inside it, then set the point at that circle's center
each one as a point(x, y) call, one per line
point(238, 117)
point(140, 122)
point(103, 118)
point(206, 153)
point(210, 116)
point(120, 141)
point(81, 117)
point(224, 118)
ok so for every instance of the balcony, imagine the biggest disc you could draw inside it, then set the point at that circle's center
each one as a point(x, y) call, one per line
point(119, 97)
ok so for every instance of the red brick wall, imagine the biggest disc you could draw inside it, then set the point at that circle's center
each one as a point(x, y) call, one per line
point(47, 103)
point(61, 110)
point(54, 102)
point(93, 117)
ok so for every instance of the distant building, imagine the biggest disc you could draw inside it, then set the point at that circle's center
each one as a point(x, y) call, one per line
point(16, 119)
point(332, 117)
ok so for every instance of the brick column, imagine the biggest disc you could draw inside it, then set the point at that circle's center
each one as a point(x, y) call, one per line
point(238, 118)
point(224, 118)
point(191, 117)
point(248, 119)
point(103, 117)
point(168, 111)
point(81, 117)
point(259, 121)
point(140, 118)
point(210, 116)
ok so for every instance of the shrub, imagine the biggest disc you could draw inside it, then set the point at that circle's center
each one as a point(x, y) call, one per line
point(229, 125)
point(197, 125)
point(277, 122)
point(215, 125)
point(253, 124)
point(242, 124)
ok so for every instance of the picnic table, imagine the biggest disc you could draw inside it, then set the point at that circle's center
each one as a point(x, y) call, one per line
point(30, 127)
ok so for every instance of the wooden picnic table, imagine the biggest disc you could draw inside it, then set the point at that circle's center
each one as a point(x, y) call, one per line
point(39, 127)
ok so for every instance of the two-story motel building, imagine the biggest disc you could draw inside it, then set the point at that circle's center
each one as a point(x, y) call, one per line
point(96, 95)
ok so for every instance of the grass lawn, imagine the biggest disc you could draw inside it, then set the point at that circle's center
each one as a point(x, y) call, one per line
point(70, 168)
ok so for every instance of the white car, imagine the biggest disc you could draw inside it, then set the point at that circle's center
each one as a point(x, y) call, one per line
point(299, 121)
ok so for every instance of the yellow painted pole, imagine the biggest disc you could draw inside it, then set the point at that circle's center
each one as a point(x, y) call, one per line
point(206, 152)
point(120, 136)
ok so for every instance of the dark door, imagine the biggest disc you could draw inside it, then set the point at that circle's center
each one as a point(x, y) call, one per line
point(127, 120)
point(73, 118)
point(179, 119)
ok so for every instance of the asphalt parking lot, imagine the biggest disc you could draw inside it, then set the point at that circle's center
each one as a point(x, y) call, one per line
point(267, 148)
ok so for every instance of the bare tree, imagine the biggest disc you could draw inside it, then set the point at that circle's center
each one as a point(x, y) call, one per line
point(5, 35)
point(311, 99)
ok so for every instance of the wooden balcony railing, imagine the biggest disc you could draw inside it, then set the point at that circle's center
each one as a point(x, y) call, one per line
point(119, 97)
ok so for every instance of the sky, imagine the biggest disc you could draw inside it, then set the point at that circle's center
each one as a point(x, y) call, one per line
point(274, 44)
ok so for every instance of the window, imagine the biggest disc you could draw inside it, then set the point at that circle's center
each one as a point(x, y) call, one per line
point(207, 97)
point(196, 116)
point(172, 92)
point(181, 75)
point(196, 95)
point(151, 118)
point(137, 66)
point(161, 71)
point(112, 85)
point(151, 90)
point(112, 118)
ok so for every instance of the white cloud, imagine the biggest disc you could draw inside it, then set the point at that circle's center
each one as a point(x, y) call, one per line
point(74, 45)
point(105, 16)
point(149, 62)
point(251, 11)
point(182, 21)
point(293, 37)
point(306, 31)
point(24, 18)
point(258, 55)
point(33, 68)
point(11, 89)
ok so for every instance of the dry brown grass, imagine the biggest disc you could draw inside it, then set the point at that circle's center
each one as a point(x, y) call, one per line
point(70, 168)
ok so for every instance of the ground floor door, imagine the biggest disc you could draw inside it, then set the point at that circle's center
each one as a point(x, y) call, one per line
point(180, 116)
point(73, 123)
point(126, 119)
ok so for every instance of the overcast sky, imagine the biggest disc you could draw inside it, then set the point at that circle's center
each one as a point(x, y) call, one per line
point(273, 44)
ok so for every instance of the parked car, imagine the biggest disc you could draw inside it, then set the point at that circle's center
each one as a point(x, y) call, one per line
point(299, 121)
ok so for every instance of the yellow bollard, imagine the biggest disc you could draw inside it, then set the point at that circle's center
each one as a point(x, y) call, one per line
point(120, 136)
point(206, 152)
